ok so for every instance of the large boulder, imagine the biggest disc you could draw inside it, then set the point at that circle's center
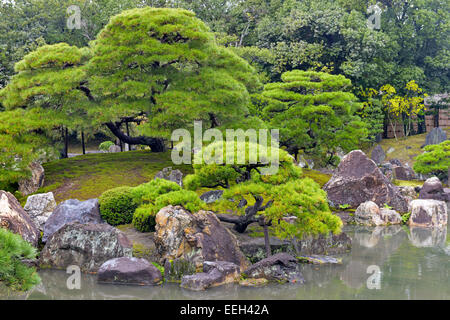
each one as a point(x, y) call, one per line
point(358, 179)
point(128, 270)
point(279, 267)
point(85, 245)
point(435, 136)
point(39, 207)
point(197, 237)
point(171, 175)
point(14, 218)
point(378, 154)
point(368, 213)
point(403, 172)
point(32, 184)
point(215, 273)
point(428, 213)
point(433, 189)
point(69, 211)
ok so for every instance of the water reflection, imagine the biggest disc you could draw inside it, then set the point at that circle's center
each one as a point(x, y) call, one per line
point(413, 264)
point(428, 237)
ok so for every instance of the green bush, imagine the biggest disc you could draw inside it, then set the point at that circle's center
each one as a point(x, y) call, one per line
point(148, 192)
point(144, 217)
point(435, 160)
point(105, 145)
point(13, 273)
point(117, 205)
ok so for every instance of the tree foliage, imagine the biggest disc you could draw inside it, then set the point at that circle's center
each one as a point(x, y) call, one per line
point(435, 160)
point(315, 112)
point(294, 207)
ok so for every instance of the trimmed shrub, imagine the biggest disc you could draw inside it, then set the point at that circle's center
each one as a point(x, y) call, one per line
point(148, 192)
point(117, 205)
point(144, 217)
point(435, 160)
point(13, 273)
point(105, 145)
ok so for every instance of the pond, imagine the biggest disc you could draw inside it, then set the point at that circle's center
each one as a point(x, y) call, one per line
point(385, 263)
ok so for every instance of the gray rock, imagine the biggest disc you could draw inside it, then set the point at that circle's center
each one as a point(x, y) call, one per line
point(428, 213)
point(279, 267)
point(32, 184)
point(368, 213)
point(39, 207)
point(197, 237)
point(390, 150)
point(215, 273)
point(211, 196)
point(114, 148)
point(433, 189)
point(171, 175)
point(69, 211)
point(358, 179)
point(435, 136)
point(378, 154)
point(15, 219)
point(85, 245)
point(128, 270)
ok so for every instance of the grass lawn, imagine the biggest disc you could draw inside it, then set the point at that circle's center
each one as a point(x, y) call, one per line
point(400, 151)
point(88, 176)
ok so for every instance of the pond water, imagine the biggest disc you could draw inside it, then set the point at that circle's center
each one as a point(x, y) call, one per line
point(385, 263)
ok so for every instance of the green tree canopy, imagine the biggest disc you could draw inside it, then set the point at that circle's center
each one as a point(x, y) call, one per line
point(315, 112)
point(294, 207)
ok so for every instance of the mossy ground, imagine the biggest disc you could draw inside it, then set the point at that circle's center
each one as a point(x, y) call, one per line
point(401, 152)
point(88, 176)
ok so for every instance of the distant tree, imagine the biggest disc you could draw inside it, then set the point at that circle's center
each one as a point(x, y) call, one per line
point(294, 207)
point(315, 113)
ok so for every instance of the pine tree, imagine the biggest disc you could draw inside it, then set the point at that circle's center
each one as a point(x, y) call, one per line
point(293, 206)
point(158, 68)
point(315, 113)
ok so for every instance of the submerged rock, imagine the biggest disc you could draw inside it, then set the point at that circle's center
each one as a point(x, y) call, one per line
point(128, 270)
point(70, 211)
point(318, 259)
point(279, 267)
point(215, 273)
point(253, 282)
point(85, 245)
point(196, 237)
point(14, 218)
point(39, 207)
point(358, 179)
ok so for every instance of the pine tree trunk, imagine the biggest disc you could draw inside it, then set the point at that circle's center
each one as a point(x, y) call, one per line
point(66, 143)
point(82, 142)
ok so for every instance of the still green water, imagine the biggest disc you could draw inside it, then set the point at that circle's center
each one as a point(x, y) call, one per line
point(412, 264)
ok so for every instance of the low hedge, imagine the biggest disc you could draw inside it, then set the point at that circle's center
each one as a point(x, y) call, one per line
point(117, 205)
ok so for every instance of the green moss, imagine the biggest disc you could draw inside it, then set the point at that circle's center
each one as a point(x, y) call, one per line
point(317, 176)
point(141, 251)
point(405, 183)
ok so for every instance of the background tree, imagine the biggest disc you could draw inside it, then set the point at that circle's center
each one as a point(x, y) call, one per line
point(315, 112)
point(294, 207)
